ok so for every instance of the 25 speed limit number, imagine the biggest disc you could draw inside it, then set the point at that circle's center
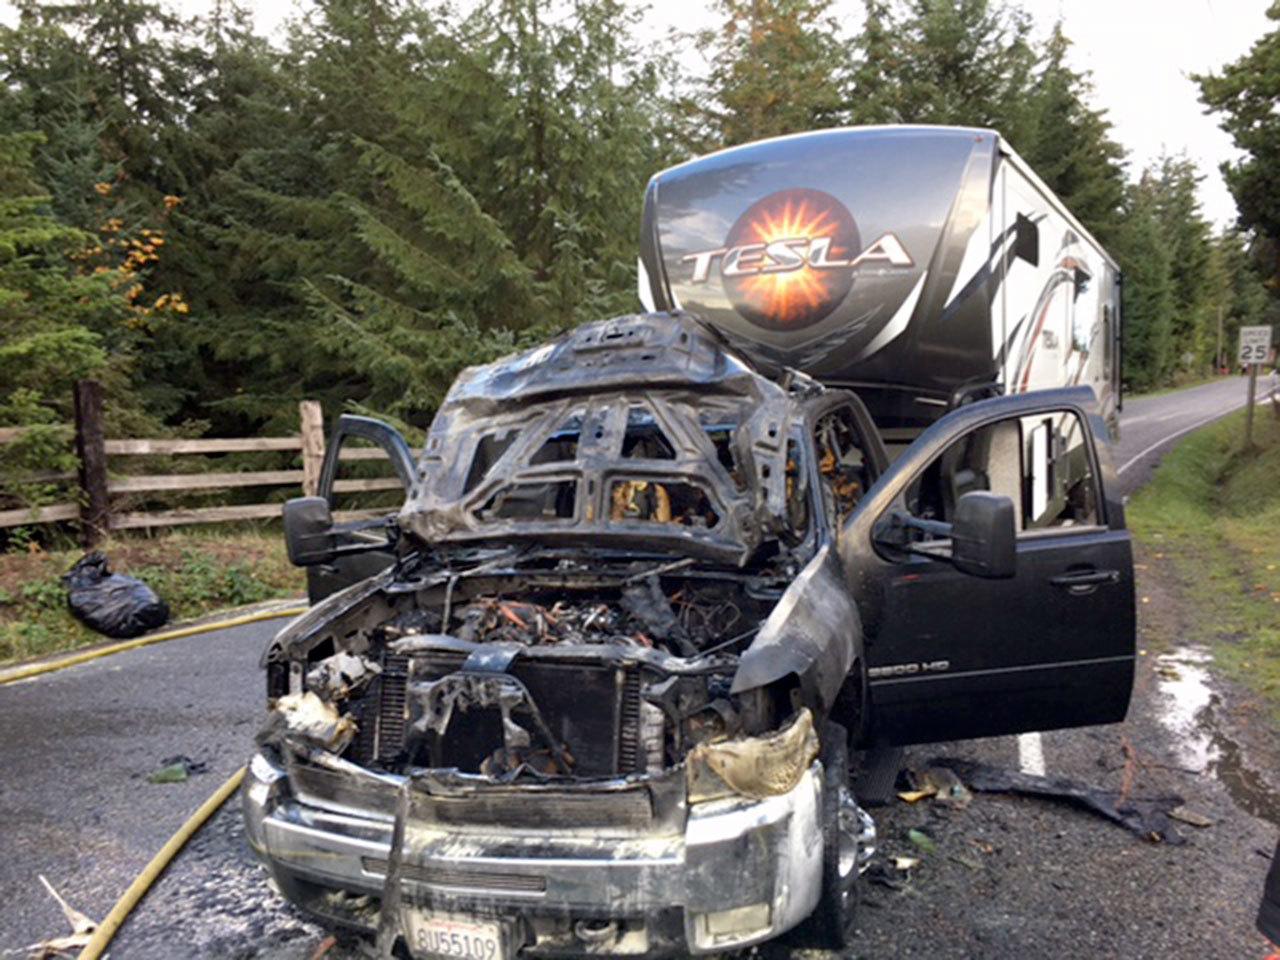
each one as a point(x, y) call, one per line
point(1255, 345)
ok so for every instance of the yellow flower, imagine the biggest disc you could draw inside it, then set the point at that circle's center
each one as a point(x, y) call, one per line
point(104, 189)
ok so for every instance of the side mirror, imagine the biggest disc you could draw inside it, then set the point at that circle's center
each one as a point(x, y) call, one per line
point(308, 531)
point(984, 536)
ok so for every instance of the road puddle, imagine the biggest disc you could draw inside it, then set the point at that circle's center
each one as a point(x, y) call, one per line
point(1192, 711)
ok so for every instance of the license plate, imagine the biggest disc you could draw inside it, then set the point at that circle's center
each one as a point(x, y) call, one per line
point(440, 935)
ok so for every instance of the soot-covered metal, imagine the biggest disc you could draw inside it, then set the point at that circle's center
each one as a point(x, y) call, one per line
point(583, 701)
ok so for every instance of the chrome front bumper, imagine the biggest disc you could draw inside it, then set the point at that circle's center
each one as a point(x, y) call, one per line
point(728, 874)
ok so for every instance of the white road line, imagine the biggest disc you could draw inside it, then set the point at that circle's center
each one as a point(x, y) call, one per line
point(1031, 753)
point(1199, 423)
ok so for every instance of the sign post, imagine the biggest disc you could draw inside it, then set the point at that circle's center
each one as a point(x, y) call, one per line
point(1255, 350)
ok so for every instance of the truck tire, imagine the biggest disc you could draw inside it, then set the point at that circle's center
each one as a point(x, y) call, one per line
point(830, 926)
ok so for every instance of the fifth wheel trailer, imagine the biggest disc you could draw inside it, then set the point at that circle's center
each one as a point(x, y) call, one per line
point(919, 266)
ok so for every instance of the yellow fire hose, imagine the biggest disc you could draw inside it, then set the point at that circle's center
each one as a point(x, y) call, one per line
point(142, 883)
point(35, 669)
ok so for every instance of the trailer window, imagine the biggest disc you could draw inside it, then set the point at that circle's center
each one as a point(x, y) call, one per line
point(1083, 313)
point(1026, 239)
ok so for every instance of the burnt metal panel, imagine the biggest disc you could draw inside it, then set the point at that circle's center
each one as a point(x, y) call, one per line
point(812, 634)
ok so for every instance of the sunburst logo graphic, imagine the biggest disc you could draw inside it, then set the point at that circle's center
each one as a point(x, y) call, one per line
point(790, 260)
point(790, 242)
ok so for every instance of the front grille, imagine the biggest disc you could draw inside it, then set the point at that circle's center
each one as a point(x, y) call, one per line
point(629, 760)
point(381, 715)
point(539, 810)
point(462, 879)
point(592, 709)
point(393, 711)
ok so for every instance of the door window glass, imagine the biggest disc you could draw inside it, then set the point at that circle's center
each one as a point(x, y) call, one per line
point(1040, 462)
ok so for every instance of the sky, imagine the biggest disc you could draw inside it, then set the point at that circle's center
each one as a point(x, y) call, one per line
point(1141, 53)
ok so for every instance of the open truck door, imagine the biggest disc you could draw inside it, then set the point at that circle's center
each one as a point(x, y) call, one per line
point(343, 551)
point(995, 576)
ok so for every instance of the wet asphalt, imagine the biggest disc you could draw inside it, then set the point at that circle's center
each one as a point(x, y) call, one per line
point(1010, 878)
point(76, 748)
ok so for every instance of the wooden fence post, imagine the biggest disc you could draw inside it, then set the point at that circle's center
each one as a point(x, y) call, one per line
point(95, 511)
point(312, 419)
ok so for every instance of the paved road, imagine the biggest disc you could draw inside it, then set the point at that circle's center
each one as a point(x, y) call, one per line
point(75, 804)
point(1151, 426)
point(1016, 878)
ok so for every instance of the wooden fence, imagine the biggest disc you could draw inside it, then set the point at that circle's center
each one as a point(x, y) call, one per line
point(93, 507)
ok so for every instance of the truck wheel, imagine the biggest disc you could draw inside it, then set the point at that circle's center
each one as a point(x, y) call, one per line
point(830, 926)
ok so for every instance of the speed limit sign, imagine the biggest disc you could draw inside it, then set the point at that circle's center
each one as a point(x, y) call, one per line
point(1255, 345)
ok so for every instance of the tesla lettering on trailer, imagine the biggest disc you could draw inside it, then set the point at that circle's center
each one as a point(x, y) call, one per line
point(789, 260)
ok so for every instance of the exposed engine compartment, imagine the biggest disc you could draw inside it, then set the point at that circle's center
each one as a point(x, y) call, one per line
point(562, 674)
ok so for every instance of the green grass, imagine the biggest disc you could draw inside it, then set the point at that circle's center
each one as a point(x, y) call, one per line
point(194, 572)
point(1212, 512)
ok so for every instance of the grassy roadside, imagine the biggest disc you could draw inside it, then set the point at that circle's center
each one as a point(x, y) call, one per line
point(1212, 513)
point(194, 572)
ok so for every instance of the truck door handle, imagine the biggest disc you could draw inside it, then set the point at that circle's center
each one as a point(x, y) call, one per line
point(1085, 581)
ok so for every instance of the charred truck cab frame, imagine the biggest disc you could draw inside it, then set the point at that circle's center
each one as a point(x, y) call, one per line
point(641, 601)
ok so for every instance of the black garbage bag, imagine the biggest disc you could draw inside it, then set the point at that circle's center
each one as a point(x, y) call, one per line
point(116, 605)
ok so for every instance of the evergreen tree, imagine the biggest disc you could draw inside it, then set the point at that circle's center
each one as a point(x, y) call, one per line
point(1248, 301)
point(1069, 144)
point(962, 62)
point(1147, 310)
point(776, 68)
point(1176, 182)
point(106, 83)
point(876, 57)
point(1245, 93)
point(60, 321)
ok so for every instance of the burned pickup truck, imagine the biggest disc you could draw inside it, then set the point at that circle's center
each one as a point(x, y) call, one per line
point(641, 603)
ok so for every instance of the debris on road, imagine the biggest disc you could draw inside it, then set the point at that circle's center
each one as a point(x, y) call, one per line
point(177, 769)
point(324, 946)
point(111, 603)
point(1190, 817)
point(82, 929)
point(922, 840)
point(1148, 817)
point(914, 796)
point(940, 783)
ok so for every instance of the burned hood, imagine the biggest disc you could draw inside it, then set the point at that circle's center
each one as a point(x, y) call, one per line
point(816, 251)
point(642, 432)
